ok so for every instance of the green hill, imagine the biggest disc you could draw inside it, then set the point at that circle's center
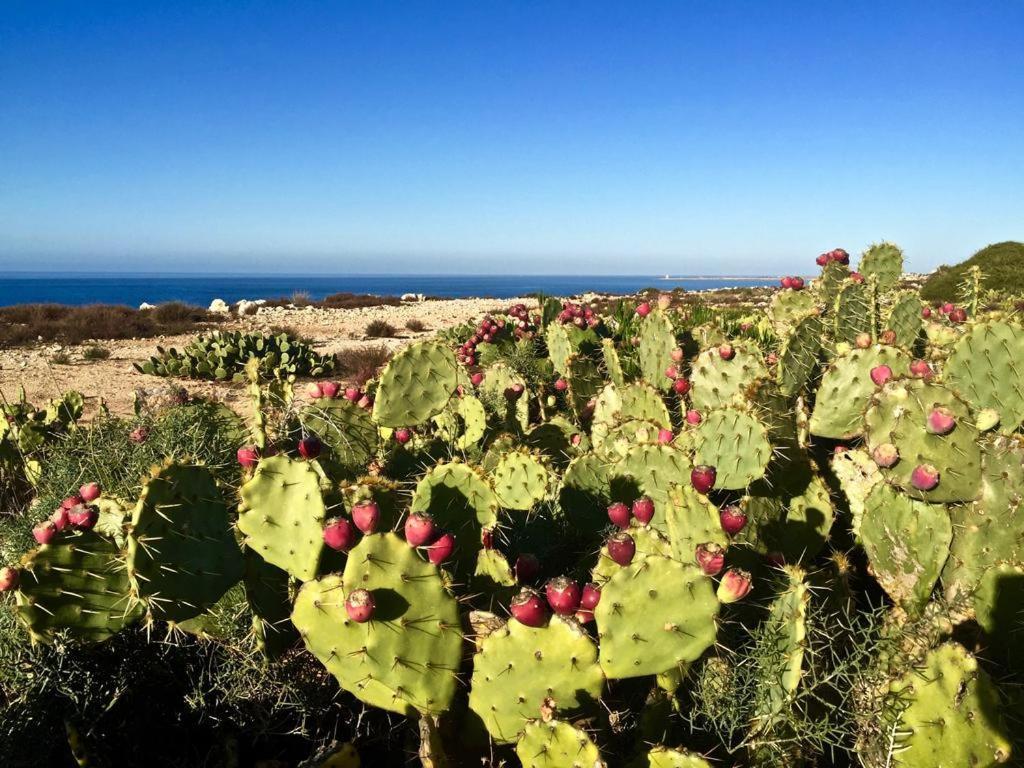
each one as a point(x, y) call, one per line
point(1002, 269)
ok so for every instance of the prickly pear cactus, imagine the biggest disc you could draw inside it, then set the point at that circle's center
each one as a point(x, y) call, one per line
point(585, 381)
point(649, 541)
point(415, 385)
point(852, 314)
point(612, 363)
point(655, 468)
point(793, 522)
point(77, 583)
point(560, 346)
point(615, 405)
point(269, 598)
point(181, 554)
point(884, 262)
point(736, 443)
point(460, 499)
point(899, 416)
point(518, 667)
point(406, 657)
point(951, 716)
point(904, 319)
point(689, 519)
point(657, 340)
point(282, 515)
point(557, 744)
point(787, 623)
point(585, 491)
point(498, 379)
point(788, 307)
point(655, 614)
point(798, 357)
point(665, 757)
point(857, 474)
point(986, 368)
point(347, 432)
point(846, 389)
point(907, 542)
point(717, 381)
point(521, 479)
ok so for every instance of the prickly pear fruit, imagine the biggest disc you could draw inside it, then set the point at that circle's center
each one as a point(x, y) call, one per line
point(924, 477)
point(726, 351)
point(681, 386)
point(527, 608)
point(366, 515)
point(359, 606)
point(703, 477)
point(527, 567)
point(710, 558)
point(310, 447)
point(71, 501)
point(693, 418)
point(561, 385)
point(863, 341)
point(881, 374)
point(588, 602)
point(9, 578)
point(419, 529)
point(340, 535)
point(60, 518)
point(441, 550)
point(621, 548)
point(248, 456)
point(477, 379)
point(643, 509)
point(735, 585)
point(89, 492)
point(314, 391)
point(671, 372)
point(643, 309)
point(665, 436)
point(677, 355)
point(44, 532)
point(619, 514)
point(941, 421)
point(732, 519)
point(886, 455)
point(83, 516)
point(921, 369)
point(403, 435)
point(564, 595)
point(329, 388)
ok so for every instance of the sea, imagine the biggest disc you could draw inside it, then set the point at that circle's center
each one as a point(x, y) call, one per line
point(135, 288)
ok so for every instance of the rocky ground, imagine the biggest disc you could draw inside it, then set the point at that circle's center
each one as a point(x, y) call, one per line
point(115, 379)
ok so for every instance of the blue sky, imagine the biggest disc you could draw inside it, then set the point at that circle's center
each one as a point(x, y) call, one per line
point(560, 137)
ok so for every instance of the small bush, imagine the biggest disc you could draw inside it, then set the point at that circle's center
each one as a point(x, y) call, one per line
point(416, 326)
point(61, 358)
point(1002, 269)
point(95, 352)
point(380, 329)
point(360, 364)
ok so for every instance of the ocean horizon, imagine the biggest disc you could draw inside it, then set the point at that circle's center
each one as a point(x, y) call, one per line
point(135, 288)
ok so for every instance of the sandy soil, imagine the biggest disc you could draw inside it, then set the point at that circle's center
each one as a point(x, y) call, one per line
point(115, 379)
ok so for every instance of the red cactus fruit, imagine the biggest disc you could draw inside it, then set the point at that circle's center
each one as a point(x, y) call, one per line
point(359, 605)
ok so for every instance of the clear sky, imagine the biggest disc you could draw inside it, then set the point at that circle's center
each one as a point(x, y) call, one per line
point(559, 137)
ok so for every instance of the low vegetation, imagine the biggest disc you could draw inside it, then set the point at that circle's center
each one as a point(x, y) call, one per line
point(380, 329)
point(1002, 271)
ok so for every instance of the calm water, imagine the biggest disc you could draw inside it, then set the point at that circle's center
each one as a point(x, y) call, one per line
point(133, 289)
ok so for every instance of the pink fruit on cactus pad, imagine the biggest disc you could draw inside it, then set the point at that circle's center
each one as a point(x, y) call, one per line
point(563, 595)
point(886, 455)
point(671, 372)
point(419, 529)
point(822, 260)
point(735, 585)
point(681, 386)
point(441, 550)
point(677, 355)
point(881, 374)
point(83, 516)
point(314, 391)
point(665, 436)
point(643, 309)
point(71, 501)
point(922, 369)
point(619, 514)
point(340, 535)
point(732, 519)
point(248, 456)
point(89, 492)
point(44, 532)
point(352, 394)
point(621, 548)
point(527, 608)
point(710, 558)
point(60, 518)
point(643, 509)
point(403, 435)
point(9, 578)
point(703, 477)
point(329, 388)
point(941, 421)
point(359, 606)
point(561, 385)
point(862, 341)
point(693, 418)
point(310, 447)
point(924, 477)
point(527, 567)
point(591, 596)
point(366, 515)
point(726, 351)
point(476, 379)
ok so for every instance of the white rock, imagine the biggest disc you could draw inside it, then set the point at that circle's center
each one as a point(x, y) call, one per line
point(219, 307)
point(146, 305)
point(413, 297)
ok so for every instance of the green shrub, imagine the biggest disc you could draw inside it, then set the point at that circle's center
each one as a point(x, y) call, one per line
point(1002, 270)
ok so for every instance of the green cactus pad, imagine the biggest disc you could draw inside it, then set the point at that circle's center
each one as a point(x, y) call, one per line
point(497, 379)
point(907, 542)
point(266, 589)
point(585, 381)
point(795, 525)
point(621, 438)
point(997, 605)
point(717, 382)
point(585, 491)
point(181, 551)
point(612, 364)
point(904, 319)
point(665, 757)
point(657, 340)
point(735, 443)
point(460, 499)
point(787, 629)
point(556, 744)
point(517, 667)
point(654, 615)
point(282, 515)
point(884, 262)
point(632, 401)
point(787, 308)
point(951, 717)
point(986, 368)
point(899, 414)
point(851, 314)
point(463, 423)
point(649, 541)
point(689, 519)
point(554, 439)
point(521, 479)
point(798, 356)
point(77, 583)
point(406, 658)
point(416, 384)
point(560, 346)
point(655, 468)
point(347, 431)
point(846, 389)
point(857, 474)
point(833, 277)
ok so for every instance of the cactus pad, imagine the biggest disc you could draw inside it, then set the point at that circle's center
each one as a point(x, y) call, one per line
point(521, 480)
point(788, 307)
point(416, 384)
point(884, 262)
point(689, 519)
point(346, 430)
point(612, 363)
point(655, 469)
point(665, 757)
point(986, 368)
point(798, 356)
point(904, 319)
point(406, 657)
point(556, 744)
point(846, 389)
point(736, 443)
point(657, 340)
point(717, 382)
point(851, 314)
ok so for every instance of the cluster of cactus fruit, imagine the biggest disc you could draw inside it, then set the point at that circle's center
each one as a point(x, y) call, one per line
point(223, 356)
point(545, 533)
